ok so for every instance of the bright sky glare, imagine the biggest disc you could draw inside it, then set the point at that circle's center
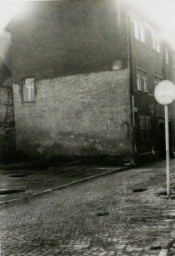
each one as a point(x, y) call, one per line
point(162, 12)
point(9, 9)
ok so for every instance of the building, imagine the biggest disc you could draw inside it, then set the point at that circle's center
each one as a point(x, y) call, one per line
point(151, 62)
point(7, 126)
point(84, 74)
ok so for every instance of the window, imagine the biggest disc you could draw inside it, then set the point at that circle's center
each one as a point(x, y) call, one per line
point(144, 81)
point(157, 79)
point(166, 55)
point(158, 44)
point(139, 32)
point(28, 89)
point(136, 30)
point(155, 42)
point(145, 127)
point(142, 34)
point(141, 80)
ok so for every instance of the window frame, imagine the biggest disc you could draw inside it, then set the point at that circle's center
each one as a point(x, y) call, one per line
point(166, 55)
point(31, 90)
point(139, 31)
point(158, 79)
point(153, 41)
point(156, 42)
point(142, 34)
point(145, 81)
point(141, 80)
point(136, 30)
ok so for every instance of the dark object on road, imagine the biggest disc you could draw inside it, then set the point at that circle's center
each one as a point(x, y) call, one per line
point(12, 191)
point(156, 247)
point(102, 214)
point(137, 190)
point(161, 193)
point(18, 175)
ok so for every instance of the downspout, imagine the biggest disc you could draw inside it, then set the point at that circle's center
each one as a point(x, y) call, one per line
point(130, 65)
point(164, 63)
point(13, 100)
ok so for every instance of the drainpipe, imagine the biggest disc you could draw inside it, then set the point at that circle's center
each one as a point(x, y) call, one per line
point(130, 65)
point(164, 63)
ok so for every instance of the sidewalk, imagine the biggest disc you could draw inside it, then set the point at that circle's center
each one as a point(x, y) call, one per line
point(22, 181)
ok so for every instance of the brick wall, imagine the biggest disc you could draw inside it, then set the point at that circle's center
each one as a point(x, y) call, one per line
point(7, 129)
point(76, 115)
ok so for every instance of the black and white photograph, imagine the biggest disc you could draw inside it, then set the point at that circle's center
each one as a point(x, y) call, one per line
point(87, 128)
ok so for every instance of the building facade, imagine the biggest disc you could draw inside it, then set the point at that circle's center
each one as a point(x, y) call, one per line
point(7, 125)
point(151, 62)
point(84, 74)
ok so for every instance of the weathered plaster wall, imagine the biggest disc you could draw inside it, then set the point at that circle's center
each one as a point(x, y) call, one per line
point(76, 115)
point(58, 38)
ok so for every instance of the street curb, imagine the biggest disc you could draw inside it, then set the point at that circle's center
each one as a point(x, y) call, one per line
point(119, 169)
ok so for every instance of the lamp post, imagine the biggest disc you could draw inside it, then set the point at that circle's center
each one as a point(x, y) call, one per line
point(165, 94)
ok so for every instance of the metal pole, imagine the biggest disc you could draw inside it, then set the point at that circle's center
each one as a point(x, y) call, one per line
point(167, 150)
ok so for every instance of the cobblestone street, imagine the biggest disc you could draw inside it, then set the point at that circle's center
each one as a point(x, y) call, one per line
point(118, 214)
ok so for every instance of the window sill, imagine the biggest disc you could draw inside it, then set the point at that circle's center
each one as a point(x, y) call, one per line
point(140, 92)
point(31, 101)
point(138, 40)
point(144, 93)
point(154, 50)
